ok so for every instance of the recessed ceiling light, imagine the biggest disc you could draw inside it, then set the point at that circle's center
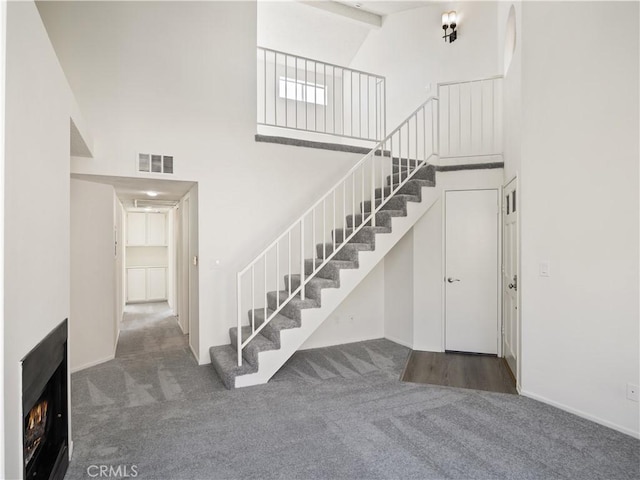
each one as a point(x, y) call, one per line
point(152, 194)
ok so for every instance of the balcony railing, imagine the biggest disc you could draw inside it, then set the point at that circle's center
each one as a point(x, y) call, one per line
point(470, 118)
point(303, 94)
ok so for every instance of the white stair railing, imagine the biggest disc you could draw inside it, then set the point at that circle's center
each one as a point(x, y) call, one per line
point(300, 93)
point(412, 144)
point(470, 118)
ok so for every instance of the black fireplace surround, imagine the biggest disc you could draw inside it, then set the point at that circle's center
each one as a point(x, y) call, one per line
point(45, 408)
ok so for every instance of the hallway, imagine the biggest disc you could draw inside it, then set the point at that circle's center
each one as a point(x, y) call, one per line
point(149, 327)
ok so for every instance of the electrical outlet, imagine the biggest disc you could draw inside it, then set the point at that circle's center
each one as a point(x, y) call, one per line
point(632, 392)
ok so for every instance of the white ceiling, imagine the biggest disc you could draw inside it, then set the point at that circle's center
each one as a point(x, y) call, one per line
point(129, 189)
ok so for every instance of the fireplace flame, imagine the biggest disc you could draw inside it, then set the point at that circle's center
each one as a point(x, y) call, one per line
point(37, 414)
point(35, 429)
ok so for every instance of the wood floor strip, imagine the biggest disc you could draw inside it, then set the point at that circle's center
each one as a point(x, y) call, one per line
point(477, 372)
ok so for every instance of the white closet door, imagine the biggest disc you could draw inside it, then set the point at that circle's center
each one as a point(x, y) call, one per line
point(156, 229)
point(156, 283)
point(136, 228)
point(471, 265)
point(136, 284)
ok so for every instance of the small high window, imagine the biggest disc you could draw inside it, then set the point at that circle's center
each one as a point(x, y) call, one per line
point(301, 91)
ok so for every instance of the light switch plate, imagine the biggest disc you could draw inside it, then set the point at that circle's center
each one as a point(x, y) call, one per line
point(545, 269)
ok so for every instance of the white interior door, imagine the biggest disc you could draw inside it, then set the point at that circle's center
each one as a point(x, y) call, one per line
point(471, 271)
point(510, 275)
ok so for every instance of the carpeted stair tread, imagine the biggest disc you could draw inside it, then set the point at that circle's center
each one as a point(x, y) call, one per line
point(364, 235)
point(396, 202)
point(396, 168)
point(426, 174)
point(313, 288)
point(330, 269)
point(225, 362)
point(348, 252)
point(279, 322)
point(272, 329)
point(258, 344)
point(411, 187)
point(404, 197)
point(383, 217)
point(293, 307)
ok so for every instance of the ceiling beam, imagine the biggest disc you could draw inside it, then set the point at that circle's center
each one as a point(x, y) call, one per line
point(351, 13)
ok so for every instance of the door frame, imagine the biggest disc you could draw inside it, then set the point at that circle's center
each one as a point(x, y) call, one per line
point(184, 261)
point(499, 338)
point(515, 178)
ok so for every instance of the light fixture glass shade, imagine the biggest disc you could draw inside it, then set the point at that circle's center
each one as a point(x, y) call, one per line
point(453, 18)
point(445, 19)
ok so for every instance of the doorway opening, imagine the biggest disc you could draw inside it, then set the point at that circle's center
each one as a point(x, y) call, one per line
point(155, 241)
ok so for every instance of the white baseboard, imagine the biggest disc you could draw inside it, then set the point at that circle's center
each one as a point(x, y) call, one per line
point(115, 344)
point(93, 364)
point(181, 327)
point(581, 414)
point(399, 342)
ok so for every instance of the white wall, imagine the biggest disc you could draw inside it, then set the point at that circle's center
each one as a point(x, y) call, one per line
point(36, 213)
point(360, 317)
point(3, 37)
point(398, 294)
point(93, 325)
point(410, 52)
point(579, 191)
point(116, 56)
point(428, 276)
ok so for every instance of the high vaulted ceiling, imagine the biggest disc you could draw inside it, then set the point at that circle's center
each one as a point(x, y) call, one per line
point(330, 32)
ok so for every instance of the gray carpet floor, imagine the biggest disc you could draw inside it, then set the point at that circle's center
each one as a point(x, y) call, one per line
point(331, 413)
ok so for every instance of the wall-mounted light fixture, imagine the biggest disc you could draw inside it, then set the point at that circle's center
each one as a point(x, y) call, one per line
point(450, 21)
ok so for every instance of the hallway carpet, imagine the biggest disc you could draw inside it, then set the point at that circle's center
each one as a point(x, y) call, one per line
point(331, 413)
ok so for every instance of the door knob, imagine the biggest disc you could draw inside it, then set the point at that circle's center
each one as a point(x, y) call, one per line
point(451, 279)
point(512, 286)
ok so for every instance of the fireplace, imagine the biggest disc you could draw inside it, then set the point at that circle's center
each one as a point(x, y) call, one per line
point(45, 408)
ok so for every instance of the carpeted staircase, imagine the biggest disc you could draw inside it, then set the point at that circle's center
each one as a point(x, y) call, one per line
point(297, 320)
